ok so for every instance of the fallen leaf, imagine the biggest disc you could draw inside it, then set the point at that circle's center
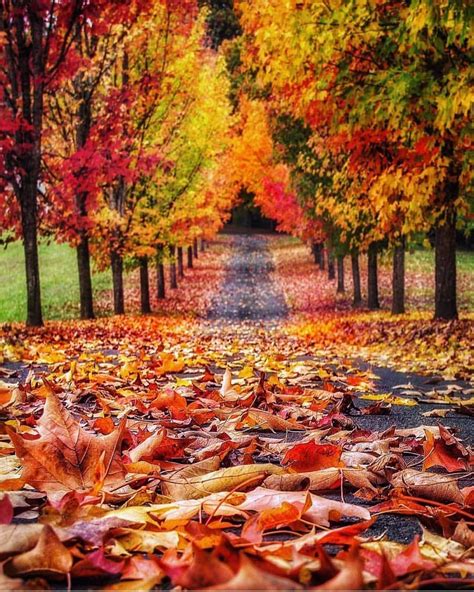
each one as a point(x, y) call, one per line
point(320, 511)
point(312, 457)
point(440, 488)
point(251, 577)
point(49, 557)
point(350, 577)
point(6, 510)
point(444, 452)
point(187, 486)
point(270, 518)
point(18, 538)
point(66, 457)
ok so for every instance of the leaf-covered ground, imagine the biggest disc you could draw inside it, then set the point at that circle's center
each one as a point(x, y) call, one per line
point(237, 441)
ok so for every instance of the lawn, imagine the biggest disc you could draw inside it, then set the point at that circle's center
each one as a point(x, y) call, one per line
point(59, 282)
point(60, 289)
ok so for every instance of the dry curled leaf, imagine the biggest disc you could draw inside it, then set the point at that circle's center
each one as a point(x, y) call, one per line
point(49, 557)
point(442, 488)
point(181, 487)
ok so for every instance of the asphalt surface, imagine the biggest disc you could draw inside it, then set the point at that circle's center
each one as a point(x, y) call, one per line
point(249, 293)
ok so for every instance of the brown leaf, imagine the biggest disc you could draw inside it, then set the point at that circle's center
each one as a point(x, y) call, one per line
point(442, 488)
point(191, 486)
point(322, 480)
point(464, 535)
point(17, 538)
point(49, 557)
point(66, 457)
point(267, 421)
point(251, 577)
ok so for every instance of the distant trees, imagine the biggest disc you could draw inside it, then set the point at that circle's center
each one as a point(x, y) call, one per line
point(382, 90)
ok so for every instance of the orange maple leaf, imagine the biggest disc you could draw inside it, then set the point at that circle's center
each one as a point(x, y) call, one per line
point(310, 456)
point(66, 457)
point(445, 451)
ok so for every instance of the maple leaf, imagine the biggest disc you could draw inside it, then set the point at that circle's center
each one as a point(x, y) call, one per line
point(312, 457)
point(271, 518)
point(65, 457)
point(445, 451)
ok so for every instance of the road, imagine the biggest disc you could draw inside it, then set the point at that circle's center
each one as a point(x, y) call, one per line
point(249, 295)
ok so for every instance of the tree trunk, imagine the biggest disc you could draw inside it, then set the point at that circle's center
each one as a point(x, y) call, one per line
point(180, 263)
point(398, 278)
point(357, 300)
point(445, 267)
point(340, 275)
point(195, 248)
point(117, 279)
point(160, 274)
point(322, 263)
point(372, 278)
point(85, 279)
point(172, 267)
point(34, 316)
point(202, 245)
point(190, 257)
point(26, 78)
point(144, 286)
point(318, 253)
point(331, 266)
point(84, 115)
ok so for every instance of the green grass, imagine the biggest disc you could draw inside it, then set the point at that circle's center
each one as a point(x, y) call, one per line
point(60, 290)
point(424, 259)
point(59, 282)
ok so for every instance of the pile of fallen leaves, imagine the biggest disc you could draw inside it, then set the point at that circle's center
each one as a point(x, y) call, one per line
point(170, 451)
point(200, 480)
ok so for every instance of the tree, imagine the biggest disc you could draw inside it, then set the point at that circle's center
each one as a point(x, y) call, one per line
point(74, 161)
point(383, 85)
point(35, 40)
